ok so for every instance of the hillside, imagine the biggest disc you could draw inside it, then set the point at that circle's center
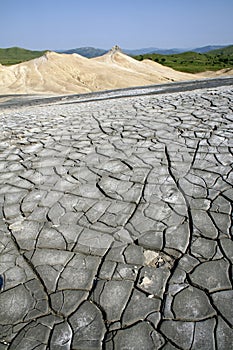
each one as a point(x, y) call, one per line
point(92, 52)
point(88, 52)
point(207, 49)
point(14, 55)
point(193, 62)
point(224, 51)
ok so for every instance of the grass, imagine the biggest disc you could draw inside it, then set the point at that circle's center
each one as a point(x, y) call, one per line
point(16, 55)
point(192, 62)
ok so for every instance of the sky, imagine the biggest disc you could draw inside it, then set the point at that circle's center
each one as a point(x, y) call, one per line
point(131, 24)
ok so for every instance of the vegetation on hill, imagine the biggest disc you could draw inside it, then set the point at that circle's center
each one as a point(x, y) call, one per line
point(193, 62)
point(205, 49)
point(225, 51)
point(14, 55)
point(88, 52)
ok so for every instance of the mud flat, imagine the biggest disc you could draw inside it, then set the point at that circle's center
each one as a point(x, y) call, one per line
point(116, 228)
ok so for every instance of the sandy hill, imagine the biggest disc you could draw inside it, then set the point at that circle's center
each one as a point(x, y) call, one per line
point(148, 69)
point(56, 73)
point(226, 72)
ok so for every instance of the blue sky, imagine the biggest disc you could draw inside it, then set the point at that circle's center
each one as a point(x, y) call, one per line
point(64, 24)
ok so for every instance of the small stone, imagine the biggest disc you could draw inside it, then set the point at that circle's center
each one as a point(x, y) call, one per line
point(151, 258)
point(153, 280)
point(16, 226)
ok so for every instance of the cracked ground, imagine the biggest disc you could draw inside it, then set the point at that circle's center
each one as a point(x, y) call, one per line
point(116, 221)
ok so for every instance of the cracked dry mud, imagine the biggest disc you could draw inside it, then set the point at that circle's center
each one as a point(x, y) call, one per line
point(116, 224)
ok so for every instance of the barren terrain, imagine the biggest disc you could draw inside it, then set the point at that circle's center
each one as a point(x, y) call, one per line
point(116, 220)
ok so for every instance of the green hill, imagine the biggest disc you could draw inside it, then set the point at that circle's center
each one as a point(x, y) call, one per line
point(14, 55)
point(225, 51)
point(193, 62)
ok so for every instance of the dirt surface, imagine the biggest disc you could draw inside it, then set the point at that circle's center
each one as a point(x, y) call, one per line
point(116, 220)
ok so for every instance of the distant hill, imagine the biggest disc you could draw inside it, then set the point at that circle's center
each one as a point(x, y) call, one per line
point(88, 52)
point(14, 55)
point(224, 51)
point(209, 48)
point(142, 51)
point(92, 52)
point(174, 51)
point(152, 50)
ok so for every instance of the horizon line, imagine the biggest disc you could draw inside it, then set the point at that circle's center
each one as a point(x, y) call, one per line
point(100, 48)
